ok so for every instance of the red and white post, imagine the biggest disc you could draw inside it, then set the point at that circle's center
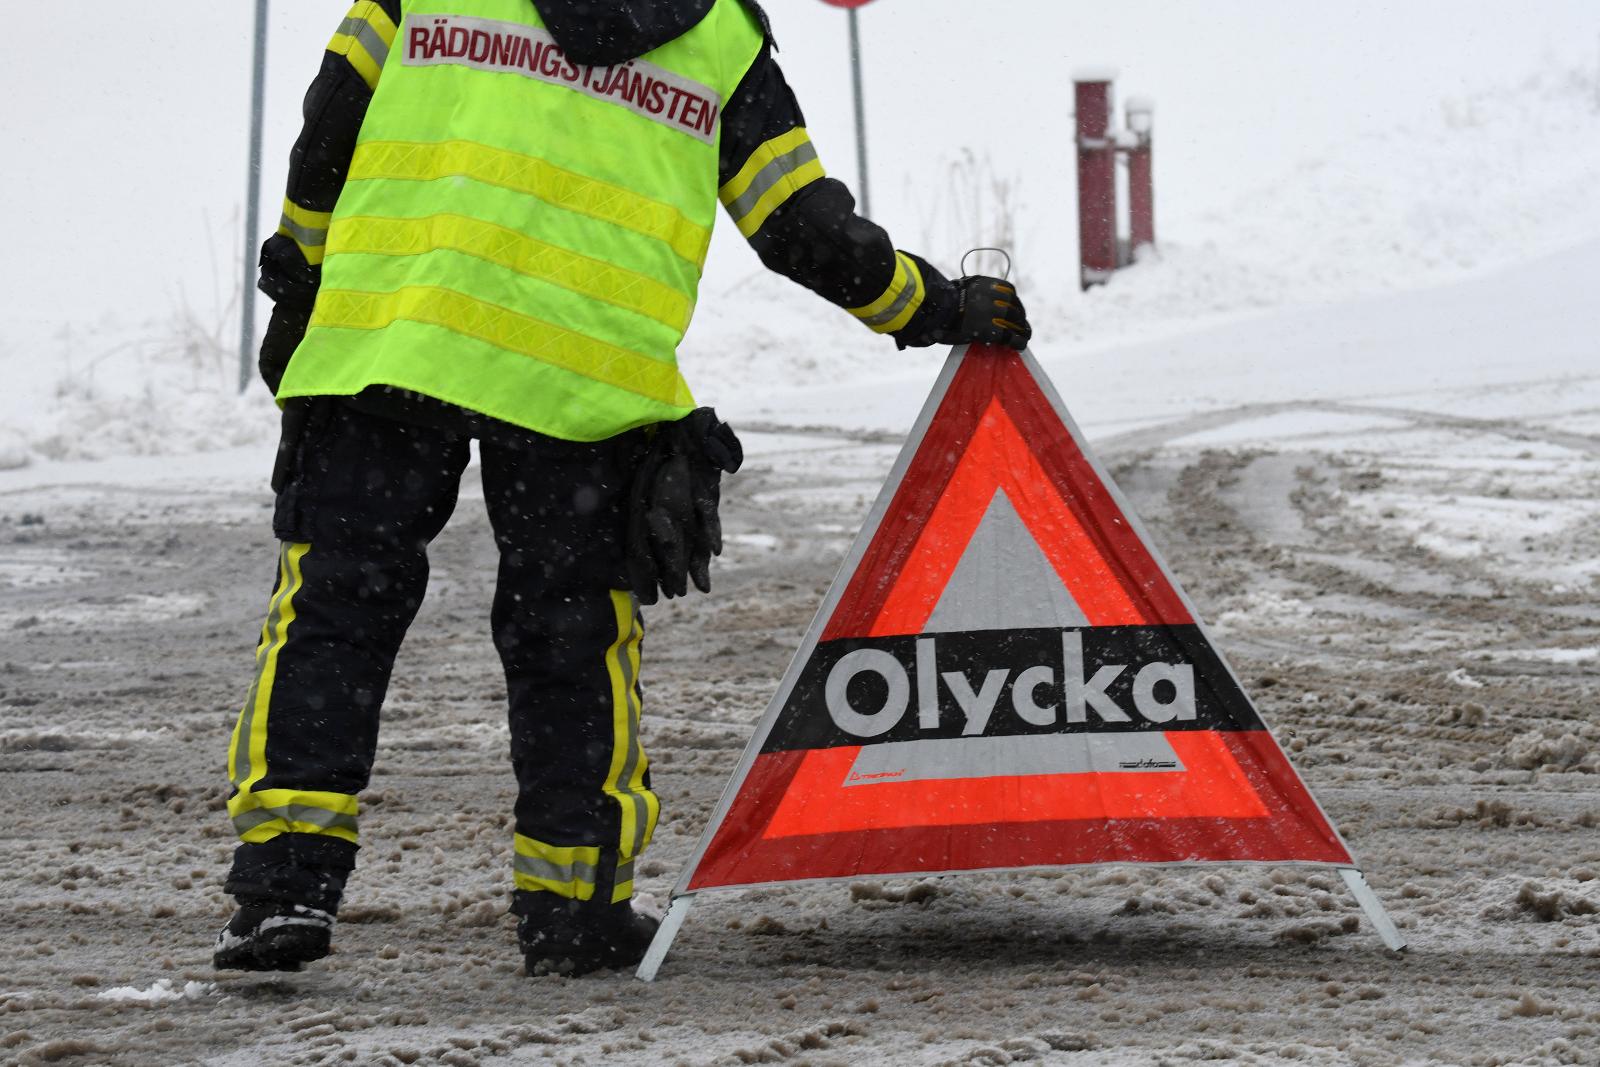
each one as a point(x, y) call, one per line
point(1141, 178)
point(1097, 178)
point(1100, 145)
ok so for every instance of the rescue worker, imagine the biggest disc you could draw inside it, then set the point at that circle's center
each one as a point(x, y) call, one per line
point(495, 225)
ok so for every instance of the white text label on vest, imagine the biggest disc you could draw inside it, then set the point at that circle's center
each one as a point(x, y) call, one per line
point(652, 91)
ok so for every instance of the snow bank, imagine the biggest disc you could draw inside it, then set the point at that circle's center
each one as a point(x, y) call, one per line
point(1494, 178)
point(111, 389)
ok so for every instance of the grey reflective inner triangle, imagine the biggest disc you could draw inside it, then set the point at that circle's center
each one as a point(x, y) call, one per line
point(1013, 757)
point(1003, 581)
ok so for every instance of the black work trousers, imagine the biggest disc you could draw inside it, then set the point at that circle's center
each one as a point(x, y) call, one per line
point(364, 498)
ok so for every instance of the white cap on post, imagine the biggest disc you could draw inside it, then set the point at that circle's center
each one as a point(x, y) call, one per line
point(1094, 74)
point(1141, 112)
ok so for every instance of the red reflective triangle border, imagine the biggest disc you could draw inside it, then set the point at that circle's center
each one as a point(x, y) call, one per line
point(793, 818)
point(995, 428)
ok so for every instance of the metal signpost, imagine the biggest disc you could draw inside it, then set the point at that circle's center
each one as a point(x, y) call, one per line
point(861, 111)
point(252, 202)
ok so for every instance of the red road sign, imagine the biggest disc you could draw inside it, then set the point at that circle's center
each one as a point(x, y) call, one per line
point(1005, 676)
point(848, 3)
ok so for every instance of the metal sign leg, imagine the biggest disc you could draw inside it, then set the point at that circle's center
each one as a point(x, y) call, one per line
point(1373, 907)
point(676, 910)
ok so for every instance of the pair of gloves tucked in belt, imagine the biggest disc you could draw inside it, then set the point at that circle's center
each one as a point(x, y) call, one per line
point(673, 526)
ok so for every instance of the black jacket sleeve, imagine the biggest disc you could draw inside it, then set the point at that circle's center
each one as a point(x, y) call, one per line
point(804, 225)
point(335, 105)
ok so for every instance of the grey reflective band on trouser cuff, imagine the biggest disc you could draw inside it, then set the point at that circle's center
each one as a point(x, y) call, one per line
point(303, 235)
point(545, 870)
point(888, 314)
point(624, 873)
point(246, 821)
point(370, 39)
point(771, 175)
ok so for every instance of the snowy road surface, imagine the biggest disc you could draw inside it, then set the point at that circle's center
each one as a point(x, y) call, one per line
point(1408, 595)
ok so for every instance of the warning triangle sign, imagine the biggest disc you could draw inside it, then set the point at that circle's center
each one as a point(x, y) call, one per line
point(1005, 676)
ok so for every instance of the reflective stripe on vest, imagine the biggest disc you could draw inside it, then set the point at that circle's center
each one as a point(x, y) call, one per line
point(535, 177)
point(525, 255)
point(521, 235)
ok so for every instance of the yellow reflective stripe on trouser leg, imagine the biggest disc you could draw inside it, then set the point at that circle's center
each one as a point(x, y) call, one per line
point(287, 810)
point(566, 870)
point(247, 754)
point(625, 782)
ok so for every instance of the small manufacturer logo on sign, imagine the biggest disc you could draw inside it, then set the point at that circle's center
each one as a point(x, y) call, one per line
point(644, 88)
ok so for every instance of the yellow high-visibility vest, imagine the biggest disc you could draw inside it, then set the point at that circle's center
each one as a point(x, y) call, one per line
point(522, 235)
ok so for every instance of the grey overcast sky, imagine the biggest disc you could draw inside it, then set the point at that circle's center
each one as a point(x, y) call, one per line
point(125, 126)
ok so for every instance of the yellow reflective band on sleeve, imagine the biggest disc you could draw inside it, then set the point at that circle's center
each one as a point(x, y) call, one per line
point(308, 229)
point(263, 815)
point(625, 780)
point(513, 331)
point(774, 172)
point(899, 302)
point(566, 870)
point(364, 39)
point(516, 252)
point(408, 161)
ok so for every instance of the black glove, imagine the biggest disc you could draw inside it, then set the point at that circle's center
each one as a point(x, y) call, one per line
point(989, 312)
point(673, 526)
point(284, 331)
point(299, 412)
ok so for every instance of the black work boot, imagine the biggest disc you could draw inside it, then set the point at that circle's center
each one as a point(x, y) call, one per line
point(573, 937)
point(269, 935)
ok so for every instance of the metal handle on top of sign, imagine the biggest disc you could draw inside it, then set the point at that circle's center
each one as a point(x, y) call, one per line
point(1006, 276)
